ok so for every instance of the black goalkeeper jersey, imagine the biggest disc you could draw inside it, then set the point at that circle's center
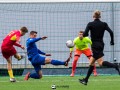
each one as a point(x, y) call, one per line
point(97, 29)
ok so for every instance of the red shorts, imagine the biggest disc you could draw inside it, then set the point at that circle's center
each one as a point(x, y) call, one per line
point(8, 51)
point(87, 52)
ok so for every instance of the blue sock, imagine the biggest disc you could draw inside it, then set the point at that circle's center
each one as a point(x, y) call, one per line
point(57, 62)
point(35, 76)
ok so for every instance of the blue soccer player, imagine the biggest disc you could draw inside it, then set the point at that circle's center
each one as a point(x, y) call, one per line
point(36, 59)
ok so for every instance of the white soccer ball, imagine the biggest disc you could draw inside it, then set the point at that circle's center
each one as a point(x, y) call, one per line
point(53, 86)
point(70, 44)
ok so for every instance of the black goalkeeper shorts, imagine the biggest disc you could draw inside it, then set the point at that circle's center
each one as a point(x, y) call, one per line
point(97, 49)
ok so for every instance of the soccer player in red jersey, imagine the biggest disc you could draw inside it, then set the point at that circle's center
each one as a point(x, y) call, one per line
point(8, 49)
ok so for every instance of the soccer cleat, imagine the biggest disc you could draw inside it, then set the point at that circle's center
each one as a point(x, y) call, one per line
point(22, 56)
point(83, 81)
point(12, 80)
point(27, 76)
point(67, 61)
point(72, 75)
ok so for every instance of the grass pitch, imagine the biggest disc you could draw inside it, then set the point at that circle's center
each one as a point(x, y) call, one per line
point(62, 83)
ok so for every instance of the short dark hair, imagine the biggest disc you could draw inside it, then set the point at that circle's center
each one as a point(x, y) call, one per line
point(81, 32)
point(32, 32)
point(24, 29)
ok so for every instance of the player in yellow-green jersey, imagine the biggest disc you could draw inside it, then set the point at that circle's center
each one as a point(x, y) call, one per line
point(81, 47)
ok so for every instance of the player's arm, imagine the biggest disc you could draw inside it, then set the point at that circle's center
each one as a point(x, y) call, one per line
point(16, 38)
point(40, 52)
point(37, 39)
point(71, 50)
point(86, 30)
point(89, 41)
point(111, 33)
point(18, 45)
point(34, 40)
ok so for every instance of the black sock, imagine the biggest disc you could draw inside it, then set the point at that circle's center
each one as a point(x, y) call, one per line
point(108, 64)
point(90, 70)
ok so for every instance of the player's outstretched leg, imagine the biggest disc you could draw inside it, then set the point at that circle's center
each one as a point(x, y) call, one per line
point(22, 56)
point(108, 64)
point(19, 57)
point(58, 62)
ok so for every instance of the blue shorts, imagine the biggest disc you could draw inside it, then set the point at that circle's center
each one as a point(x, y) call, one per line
point(37, 61)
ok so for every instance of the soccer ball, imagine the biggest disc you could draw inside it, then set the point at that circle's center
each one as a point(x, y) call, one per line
point(70, 44)
point(53, 86)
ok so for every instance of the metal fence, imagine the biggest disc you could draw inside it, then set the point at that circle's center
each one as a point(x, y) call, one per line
point(60, 22)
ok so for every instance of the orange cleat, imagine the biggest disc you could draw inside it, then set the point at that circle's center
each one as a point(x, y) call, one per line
point(95, 73)
point(27, 76)
point(72, 75)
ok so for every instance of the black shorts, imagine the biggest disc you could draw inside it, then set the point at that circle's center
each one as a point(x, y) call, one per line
point(97, 49)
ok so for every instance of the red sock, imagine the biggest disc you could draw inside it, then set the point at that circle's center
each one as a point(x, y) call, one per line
point(94, 70)
point(74, 64)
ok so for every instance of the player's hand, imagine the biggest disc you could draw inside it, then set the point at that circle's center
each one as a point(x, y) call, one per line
point(47, 54)
point(70, 55)
point(23, 47)
point(112, 43)
point(44, 37)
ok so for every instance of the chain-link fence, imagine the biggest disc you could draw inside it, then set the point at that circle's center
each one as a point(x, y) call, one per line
point(60, 22)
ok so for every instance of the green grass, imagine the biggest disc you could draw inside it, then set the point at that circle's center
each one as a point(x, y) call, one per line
point(62, 83)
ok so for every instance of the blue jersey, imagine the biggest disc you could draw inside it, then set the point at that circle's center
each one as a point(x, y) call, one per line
point(32, 49)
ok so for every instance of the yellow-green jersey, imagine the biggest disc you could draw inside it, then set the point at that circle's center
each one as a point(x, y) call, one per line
point(81, 44)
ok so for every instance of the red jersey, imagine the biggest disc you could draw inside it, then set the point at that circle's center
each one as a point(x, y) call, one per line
point(11, 39)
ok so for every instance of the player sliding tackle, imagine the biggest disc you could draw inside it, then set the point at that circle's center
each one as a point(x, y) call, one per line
point(36, 59)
